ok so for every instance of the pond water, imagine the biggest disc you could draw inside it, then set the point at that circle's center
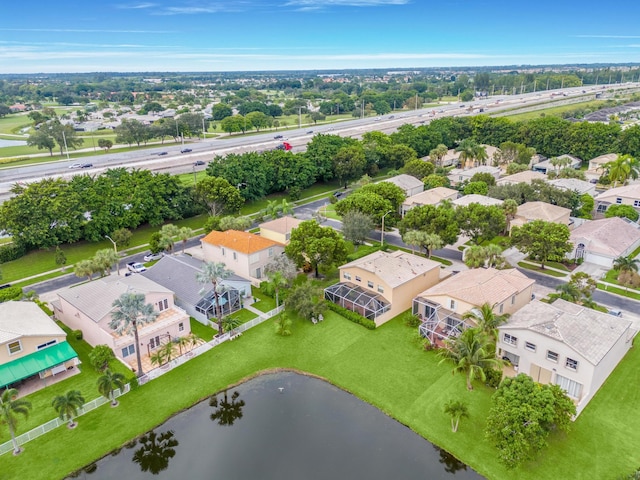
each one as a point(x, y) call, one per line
point(12, 143)
point(281, 426)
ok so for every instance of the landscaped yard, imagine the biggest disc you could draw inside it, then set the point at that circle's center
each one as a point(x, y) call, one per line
point(263, 302)
point(201, 331)
point(383, 367)
point(244, 315)
point(536, 268)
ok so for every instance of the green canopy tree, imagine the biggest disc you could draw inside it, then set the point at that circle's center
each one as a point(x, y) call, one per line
point(367, 203)
point(422, 239)
point(356, 226)
point(10, 407)
point(622, 211)
point(542, 241)
point(42, 140)
point(440, 220)
point(349, 163)
point(418, 168)
point(480, 222)
point(317, 245)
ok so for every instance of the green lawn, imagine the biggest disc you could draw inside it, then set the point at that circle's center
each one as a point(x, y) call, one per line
point(264, 303)
point(537, 268)
point(620, 291)
point(201, 331)
point(552, 111)
point(244, 315)
point(383, 367)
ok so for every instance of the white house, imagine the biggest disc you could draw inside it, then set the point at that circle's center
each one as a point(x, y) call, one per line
point(602, 241)
point(546, 166)
point(625, 195)
point(459, 175)
point(574, 185)
point(408, 183)
point(433, 196)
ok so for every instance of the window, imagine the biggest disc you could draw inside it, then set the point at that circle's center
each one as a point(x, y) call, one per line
point(358, 279)
point(271, 251)
point(513, 299)
point(163, 305)
point(573, 389)
point(501, 308)
point(154, 342)
point(571, 364)
point(510, 339)
point(130, 350)
point(530, 346)
point(636, 203)
point(181, 327)
point(380, 289)
point(369, 284)
point(14, 347)
point(47, 344)
point(347, 276)
point(235, 256)
point(552, 356)
point(287, 236)
point(223, 251)
point(452, 304)
point(602, 207)
point(618, 200)
point(258, 273)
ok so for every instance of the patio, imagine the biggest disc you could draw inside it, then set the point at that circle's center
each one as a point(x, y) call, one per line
point(35, 383)
point(356, 299)
point(438, 323)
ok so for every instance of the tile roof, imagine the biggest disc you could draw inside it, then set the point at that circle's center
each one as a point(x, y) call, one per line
point(395, 268)
point(243, 242)
point(608, 236)
point(522, 177)
point(589, 332)
point(405, 182)
point(432, 196)
point(628, 191)
point(95, 299)
point(572, 184)
point(281, 225)
point(25, 319)
point(475, 198)
point(606, 158)
point(481, 285)
point(541, 211)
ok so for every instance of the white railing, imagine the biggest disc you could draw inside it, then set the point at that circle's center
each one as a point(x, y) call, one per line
point(56, 422)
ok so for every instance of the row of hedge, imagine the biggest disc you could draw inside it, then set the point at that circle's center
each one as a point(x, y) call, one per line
point(352, 316)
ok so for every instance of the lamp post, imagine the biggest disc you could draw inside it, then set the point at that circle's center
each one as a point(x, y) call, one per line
point(382, 231)
point(115, 249)
point(195, 178)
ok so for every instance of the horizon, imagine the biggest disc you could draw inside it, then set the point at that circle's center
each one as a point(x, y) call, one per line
point(182, 36)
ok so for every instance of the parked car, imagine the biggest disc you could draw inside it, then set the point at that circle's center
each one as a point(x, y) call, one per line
point(278, 137)
point(87, 165)
point(197, 163)
point(338, 194)
point(615, 313)
point(309, 132)
point(76, 165)
point(186, 150)
point(136, 267)
point(153, 256)
point(163, 153)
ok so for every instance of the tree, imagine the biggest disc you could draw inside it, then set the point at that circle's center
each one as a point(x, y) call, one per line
point(368, 203)
point(122, 237)
point(85, 268)
point(434, 180)
point(468, 150)
point(469, 354)
point(218, 196)
point(215, 273)
point(418, 168)
point(64, 135)
point(105, 144)
point(477, 256)
point(622, 211)
point(584, 282)
point(43, 140)
point(422, 239)
point(100, 357)
point(104, 259)
point(184, 234)
point(510, 208)
point(478, 188)
point(283, 265)
point(155, 451)
point(227, 410)
point(108, 383)
point(542, 241)
point(67, 406)
point(387, 190)
point(456, 409)
point(587, 203)
point(168, 235)
point(60, 257)
point(234, 223)
point(480, 222)
point(522, 415)
point(349, 163)
point(486, 320)
point(440, 220)
point(220, 111)
point(283, 324)
point(130, 312)
point(10, 406)
point(622, 168)
point(356, 226)
point(317, 245)
point(230, 323)
point(306, 300)
point(278, 281)
point(4, 110)
point(437, 154)
point(626, 264)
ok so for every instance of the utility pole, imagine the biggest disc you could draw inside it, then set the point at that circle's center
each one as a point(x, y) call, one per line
point(300, 117)
point(115, 249)
point(382, 231)
point(416, 101)
point(64, 138)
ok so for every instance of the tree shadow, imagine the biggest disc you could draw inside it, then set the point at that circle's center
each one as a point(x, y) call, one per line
point(227, 410)
point(155, 451)
point(451, 463)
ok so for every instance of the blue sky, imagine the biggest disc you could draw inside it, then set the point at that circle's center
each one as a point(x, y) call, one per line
point(223, 35)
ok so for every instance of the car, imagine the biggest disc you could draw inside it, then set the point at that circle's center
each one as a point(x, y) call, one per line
point(136, 267)
point(391, 116)
point(153, 256)
point(198, 163)
point(593, 180)
point(76, 165)
point(338, 194)
point(377, 119)
point(614, 312)
point(186, 150)
point(6, 285)
point(86, 165)
point(163, 153)
point(278, 137)
point(309, 132)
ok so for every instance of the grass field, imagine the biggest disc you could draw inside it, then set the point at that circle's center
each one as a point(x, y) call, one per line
point(552, 111)
point(383, 367)
point(537, 268)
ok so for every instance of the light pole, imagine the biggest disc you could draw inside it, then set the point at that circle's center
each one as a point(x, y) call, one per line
point(115, 249)
point(195, 181)
point(382, 231)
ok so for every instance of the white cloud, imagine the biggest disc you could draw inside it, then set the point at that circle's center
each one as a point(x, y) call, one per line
point(137, 6)
point(317, 4)
point(606, 36)
point(82, 30)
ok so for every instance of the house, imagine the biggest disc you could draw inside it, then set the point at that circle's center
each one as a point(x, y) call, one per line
point(596, 165)
point(521, 177)
point(625, 195)
point(433, 196)
point(459, 175)
point(441, 307)
point(18, 107)
point(466, 200)
point(565, 344)
point(244, 253)
point(88, 307)
point(546, 166)
point(409, 184)
point(602, 241)
point(31, 344)
point(574, 185)
point(279, 230)
point(382, 284)
point(178, 274)
point(530, 211)
point(451, 158)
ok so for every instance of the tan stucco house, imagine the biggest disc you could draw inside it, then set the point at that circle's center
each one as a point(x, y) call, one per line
point(433, 196)
point(31, 344)
point(279, 230)
point(383, 284)
point(602, 241)
point(409, 184)
point(530, 211)
point(626, 195)
point(459, 175)
point(565, 344)
point(244, 253)
point(88, 308)
point(527, 177)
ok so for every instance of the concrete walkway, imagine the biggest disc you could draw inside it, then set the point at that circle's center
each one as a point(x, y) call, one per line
point(254, 310)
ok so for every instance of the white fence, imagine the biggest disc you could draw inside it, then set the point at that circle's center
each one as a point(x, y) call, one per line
point(56, 422)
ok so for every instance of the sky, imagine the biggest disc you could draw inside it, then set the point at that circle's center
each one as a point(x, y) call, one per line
point(247, 35)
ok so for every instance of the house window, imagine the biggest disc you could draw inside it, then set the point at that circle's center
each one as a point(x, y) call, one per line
point(510, 339)
point(501, 308)
point(452, 304)
point(369, 284)
point(602, 207)
point(287, 236)
point(347, 276)
point(130, 350)
point(573, 388)
point(14, 347)
point(358, 279)
point(258, 273)
point(513, 299)
point(254, 258)
point(636, 203)
point(181, 327)
point(530, 346)
point(223, 251)
point(47, 344)
point(552, 356)
point(618, 200)
point(235, 255)
point(571, 364)
point(380, 289)
point(163, 305)
point(271, 251)
point(154, 342)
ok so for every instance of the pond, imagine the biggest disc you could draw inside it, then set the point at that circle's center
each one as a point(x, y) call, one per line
point(281, 426)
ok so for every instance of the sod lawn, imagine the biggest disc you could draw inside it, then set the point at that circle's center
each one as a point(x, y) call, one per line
point(384, 367)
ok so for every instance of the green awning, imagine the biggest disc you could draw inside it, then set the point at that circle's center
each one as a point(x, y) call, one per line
point(35, 362)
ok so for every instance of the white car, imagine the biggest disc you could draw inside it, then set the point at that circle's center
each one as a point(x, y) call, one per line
point(76, 165)
point(153, 256)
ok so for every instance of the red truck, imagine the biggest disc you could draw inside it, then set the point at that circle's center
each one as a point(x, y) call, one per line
point(286, 146)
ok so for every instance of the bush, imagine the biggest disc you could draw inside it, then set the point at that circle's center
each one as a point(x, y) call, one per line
point(493, 377)
point(352, 316)
point(212, 223)
point(362, 251)
point(11, 252)
point(267, 289)
point(411, 320)
point(10, 293)
point(77, 334)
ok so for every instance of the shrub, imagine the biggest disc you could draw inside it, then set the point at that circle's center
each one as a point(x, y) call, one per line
point(11, 252)
point(77, 334)
point(267, 289)
point(352, 316)
point(411, 320)
point(10, 293)
point(493, 377)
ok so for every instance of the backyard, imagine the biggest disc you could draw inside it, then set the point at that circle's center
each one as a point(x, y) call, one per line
point(386, 368)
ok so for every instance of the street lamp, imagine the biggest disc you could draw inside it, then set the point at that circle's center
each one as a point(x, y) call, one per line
point(382, 231)
point(115, 249)
point(194, 176)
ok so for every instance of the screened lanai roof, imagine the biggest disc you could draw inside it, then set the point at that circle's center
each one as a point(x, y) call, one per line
point(353, 297)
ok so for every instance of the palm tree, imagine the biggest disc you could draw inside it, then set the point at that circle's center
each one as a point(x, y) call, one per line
point(486, 320)
point(456, 409)
point(480, 154)
point(278, 280)
point(626, 264)
point(412, 238)
point(184, 234)
point(182, 342)
point(155, 451)
point(108, 383)
point(437, 154)
point(104, 260)
point(227, 411)
point(10, 405)
point(569, 292)
point(283, 324)
point(214, 273)
point(130, 313)
point(168, 233)
point(469, 354)
point(230, 323)
point(68, 405)
point(510, 208)
point(467, 149)
point(286, 208)
point(272, 209)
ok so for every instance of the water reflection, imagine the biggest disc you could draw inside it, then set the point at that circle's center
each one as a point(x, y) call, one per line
point(451, 463)
point(155, 451)
point(227, 411)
